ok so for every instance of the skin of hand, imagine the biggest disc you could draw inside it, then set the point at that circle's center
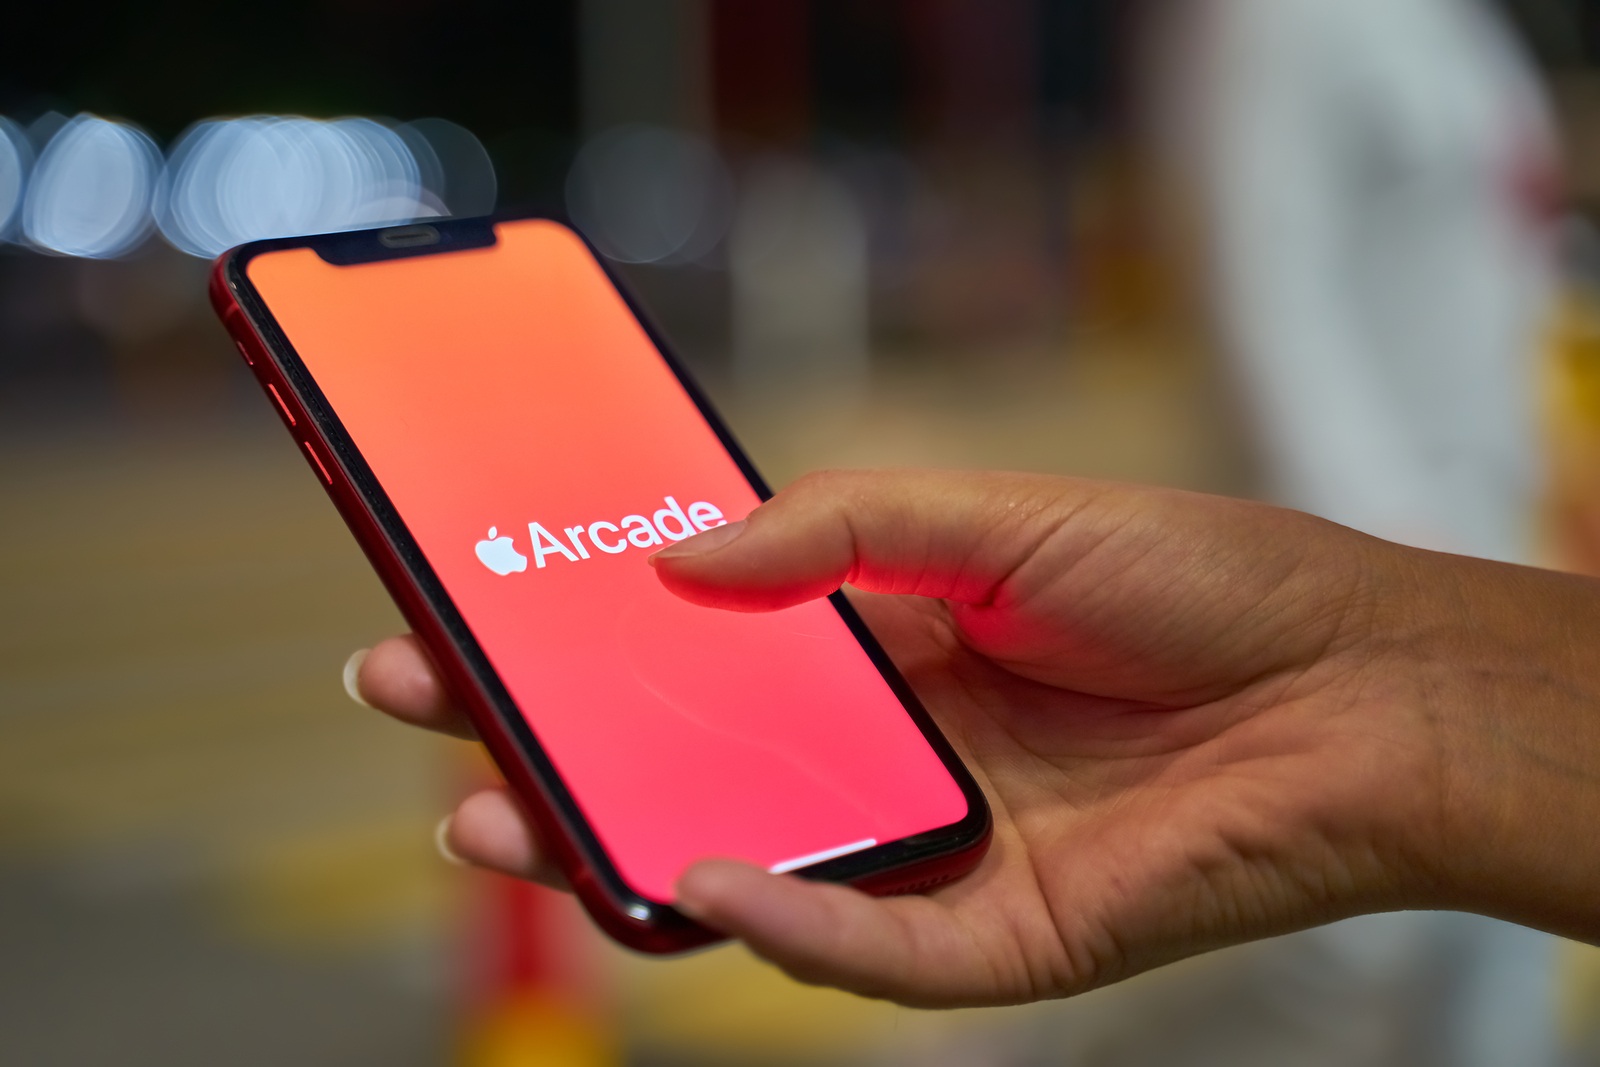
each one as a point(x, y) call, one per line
point(1199, 721)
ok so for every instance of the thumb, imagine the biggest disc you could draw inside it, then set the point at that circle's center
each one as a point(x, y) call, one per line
point(910, 949)
point(935, 534)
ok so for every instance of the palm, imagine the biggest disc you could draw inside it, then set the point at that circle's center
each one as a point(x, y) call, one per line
point(1147, 819)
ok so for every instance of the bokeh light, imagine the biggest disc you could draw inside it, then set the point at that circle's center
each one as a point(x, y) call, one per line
point(648, 194)
point(234, 180)
point(456, 168)
point(15, 159)
point(89, 195)
point(99, 187)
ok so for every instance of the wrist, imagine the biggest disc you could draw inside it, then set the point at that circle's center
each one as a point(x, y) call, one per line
point(1510, 677)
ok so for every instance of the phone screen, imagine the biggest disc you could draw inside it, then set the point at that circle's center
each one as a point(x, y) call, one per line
point(538, 448)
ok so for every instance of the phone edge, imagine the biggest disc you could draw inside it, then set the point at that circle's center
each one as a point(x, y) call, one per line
point(639, 923)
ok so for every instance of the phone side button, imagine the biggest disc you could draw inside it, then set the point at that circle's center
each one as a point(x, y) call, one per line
point(245, 352)
point(273, 389)
point(316, 461)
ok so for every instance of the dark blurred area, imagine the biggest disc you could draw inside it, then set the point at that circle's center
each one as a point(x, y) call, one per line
point(932, 233)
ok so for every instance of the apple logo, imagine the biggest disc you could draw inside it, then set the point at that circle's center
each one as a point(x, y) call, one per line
point(500, 554)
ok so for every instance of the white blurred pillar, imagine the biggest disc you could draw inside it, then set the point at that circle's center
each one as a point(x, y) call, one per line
point(797, 255)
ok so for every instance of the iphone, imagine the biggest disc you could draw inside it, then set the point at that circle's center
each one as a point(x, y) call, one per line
point(509, 442)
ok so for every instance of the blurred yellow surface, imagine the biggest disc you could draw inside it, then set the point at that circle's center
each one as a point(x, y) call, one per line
point(1580, 981)
point(530, 1032)
point(1574, 417)
point(178, 611)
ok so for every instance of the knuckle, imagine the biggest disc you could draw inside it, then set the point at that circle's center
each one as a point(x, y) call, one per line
point(816, 483)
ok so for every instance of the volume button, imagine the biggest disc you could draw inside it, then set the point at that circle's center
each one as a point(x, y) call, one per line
point(273, 389)
point(245, 352)
point(316, 461)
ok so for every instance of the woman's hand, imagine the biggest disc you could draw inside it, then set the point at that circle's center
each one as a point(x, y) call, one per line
point(1199, 721)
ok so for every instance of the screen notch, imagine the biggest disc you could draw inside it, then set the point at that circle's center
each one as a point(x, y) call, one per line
point(411, 239)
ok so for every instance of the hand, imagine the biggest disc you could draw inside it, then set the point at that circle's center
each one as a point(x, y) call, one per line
point(1199, 721)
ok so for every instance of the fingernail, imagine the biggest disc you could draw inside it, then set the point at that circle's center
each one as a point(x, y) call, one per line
point(441, 841)
point(698, 545)
point(352, 676)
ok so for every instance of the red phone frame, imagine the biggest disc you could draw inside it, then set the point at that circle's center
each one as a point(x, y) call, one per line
point(624, 914)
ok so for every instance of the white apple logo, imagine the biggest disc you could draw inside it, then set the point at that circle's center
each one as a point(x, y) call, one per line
point(500, 554)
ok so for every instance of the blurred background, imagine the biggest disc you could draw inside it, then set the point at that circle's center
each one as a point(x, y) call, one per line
point(1335, 253)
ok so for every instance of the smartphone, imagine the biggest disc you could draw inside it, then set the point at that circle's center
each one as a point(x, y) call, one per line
point(509, 441)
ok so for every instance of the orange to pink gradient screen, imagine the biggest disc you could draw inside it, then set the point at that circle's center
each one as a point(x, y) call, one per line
point(510, 388)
